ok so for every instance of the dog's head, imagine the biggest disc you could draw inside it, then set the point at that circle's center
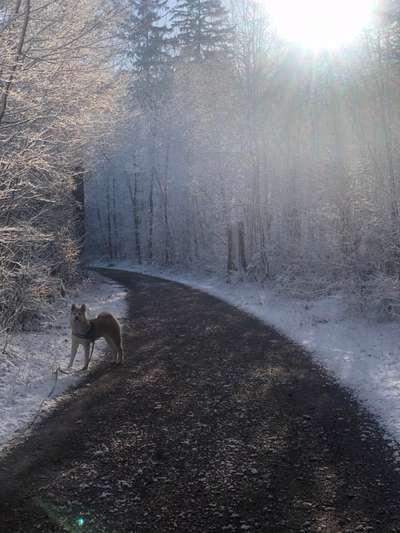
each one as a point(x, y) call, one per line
point(78, 314)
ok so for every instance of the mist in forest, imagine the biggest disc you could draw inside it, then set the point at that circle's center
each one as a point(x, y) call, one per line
point(253, 157)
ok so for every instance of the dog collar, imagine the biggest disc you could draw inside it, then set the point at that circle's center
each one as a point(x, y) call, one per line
point(89, 335)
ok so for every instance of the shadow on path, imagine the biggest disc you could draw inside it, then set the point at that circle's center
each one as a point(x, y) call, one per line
point(216, 423)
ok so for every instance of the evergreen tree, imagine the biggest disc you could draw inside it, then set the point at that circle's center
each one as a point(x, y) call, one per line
point(148, 39)
point(202, 28)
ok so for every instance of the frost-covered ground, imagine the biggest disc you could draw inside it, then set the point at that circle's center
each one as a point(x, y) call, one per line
point(29, 360)
point(363, 355)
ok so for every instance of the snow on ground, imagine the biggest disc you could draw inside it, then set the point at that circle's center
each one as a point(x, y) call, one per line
point(29, 360)
point(362, 355)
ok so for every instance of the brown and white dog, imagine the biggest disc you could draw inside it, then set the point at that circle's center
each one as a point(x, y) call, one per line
point(86, 332)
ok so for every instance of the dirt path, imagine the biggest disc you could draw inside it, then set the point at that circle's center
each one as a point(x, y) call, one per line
point(216, 423)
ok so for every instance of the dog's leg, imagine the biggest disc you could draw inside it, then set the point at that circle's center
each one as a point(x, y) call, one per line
point(74, 349)
point(121, 357)
point(119, 354)
point(87, 355)
point(113, 348)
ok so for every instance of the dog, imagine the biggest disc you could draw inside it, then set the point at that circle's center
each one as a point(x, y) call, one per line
point(86, 332)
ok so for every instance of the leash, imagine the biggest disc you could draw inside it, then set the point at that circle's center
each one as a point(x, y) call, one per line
point(88, 336)
point(58, 369)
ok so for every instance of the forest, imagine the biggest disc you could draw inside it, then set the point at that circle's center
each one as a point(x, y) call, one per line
point(204, 141)
point(248, 156)
point(58, 87)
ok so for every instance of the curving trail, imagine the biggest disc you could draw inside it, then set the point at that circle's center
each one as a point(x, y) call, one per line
point(216, 423)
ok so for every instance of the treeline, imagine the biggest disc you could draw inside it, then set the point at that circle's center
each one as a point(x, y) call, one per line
point(57, 92)
point(243, 155)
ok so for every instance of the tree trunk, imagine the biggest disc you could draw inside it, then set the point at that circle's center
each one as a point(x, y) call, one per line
point(17, 58)
point(167, 233)
point(116, 239)
point(136, 215)
point(136, 222)
point(231, 262)
point(79, 208)
point(151, 215)
point(109, 223)
point(241, 247)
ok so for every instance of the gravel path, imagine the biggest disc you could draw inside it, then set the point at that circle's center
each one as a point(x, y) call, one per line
point(215, 424)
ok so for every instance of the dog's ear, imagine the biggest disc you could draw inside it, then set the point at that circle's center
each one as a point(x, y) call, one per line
point(73, 307)
point(83, 307)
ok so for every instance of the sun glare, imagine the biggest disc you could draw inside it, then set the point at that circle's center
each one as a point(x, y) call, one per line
point(320, 24)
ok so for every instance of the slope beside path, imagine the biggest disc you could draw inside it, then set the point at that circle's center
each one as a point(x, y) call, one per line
point(216, 423)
